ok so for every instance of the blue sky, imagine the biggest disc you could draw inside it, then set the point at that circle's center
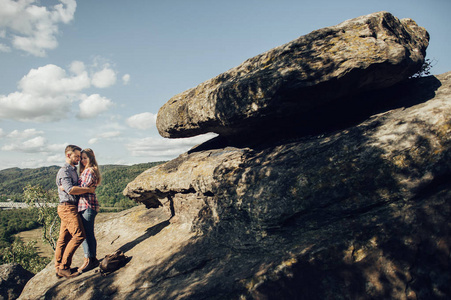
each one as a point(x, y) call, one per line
point(95, 73)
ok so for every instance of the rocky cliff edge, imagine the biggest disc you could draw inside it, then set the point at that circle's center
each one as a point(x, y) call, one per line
point(351, 201)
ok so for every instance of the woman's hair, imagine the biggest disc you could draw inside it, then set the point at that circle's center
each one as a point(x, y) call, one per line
point(92, 164)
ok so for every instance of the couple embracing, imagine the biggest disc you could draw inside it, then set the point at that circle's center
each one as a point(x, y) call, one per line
point(77, 210)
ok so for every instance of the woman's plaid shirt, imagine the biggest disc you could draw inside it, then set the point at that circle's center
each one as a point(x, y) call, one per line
point(88, 178)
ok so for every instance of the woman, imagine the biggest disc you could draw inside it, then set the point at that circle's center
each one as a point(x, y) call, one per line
point(88, 207)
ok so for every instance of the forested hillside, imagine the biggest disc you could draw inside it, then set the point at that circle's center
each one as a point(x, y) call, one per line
point(12, 181)
point(109, 193)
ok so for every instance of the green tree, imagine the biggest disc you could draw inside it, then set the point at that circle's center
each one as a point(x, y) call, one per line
point(46, 203)
point(13, 221)
point(24, 255)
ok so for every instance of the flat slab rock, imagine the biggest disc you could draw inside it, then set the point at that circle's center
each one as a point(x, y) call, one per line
point(366, 53)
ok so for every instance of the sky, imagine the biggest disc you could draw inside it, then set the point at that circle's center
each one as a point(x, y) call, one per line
point(95, 73)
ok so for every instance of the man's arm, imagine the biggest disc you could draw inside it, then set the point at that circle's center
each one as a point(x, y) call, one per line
point(65, 181)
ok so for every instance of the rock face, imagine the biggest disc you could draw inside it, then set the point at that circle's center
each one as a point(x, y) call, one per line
point(362, 54)
point(350, 201)
point(12, 280)
point(356, 212)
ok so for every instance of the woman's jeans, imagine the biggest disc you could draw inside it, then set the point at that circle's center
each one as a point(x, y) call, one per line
point(89, 244)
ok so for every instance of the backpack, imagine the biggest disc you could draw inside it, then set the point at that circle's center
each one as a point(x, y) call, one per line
point(112, 262)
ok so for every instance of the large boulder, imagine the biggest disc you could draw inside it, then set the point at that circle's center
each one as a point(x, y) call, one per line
point(367, 53)
point(353, 213)
point(13, 278)
point(350, 200)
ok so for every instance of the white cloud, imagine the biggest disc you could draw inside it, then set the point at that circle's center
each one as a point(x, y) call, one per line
point(93, 141)
point(142, 121)
point(27, 133)
point(104, 78)
point(33, 28)
point(33, 145)
point(111, 134)
point(163, 149)
point(56, 159)
point(52, 80)
point(4, 48)
point(31, 162)
point(104, 135)
point(33, 149)
point(26, 107)
point(57, 148)
point(77, 67)
point(93, 105)
point(65, 11)
point(126, 79)
point(46, 94)
point(111, 125)
point(29, 141)
point(2, 132)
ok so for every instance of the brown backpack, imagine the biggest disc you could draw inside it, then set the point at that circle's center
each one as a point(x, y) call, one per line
point(112, 262)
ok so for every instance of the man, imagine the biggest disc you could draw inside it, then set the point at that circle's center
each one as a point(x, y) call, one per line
point(71, 232)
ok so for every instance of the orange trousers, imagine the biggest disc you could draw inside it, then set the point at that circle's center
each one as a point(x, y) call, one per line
point(71, 235)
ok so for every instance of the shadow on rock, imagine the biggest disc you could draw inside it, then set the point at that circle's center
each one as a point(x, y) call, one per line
point(154, 230)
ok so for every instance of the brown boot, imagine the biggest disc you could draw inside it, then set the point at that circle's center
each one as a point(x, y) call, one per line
point(85, 263)
point(67, 273)
point(92, 263)
point(56, 273)
point(95, 262)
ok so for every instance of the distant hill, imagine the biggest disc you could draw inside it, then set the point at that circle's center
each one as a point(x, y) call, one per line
point(109, 193)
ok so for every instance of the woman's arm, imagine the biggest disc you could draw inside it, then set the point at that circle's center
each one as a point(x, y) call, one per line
point(78, 190)
point(87, 185)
